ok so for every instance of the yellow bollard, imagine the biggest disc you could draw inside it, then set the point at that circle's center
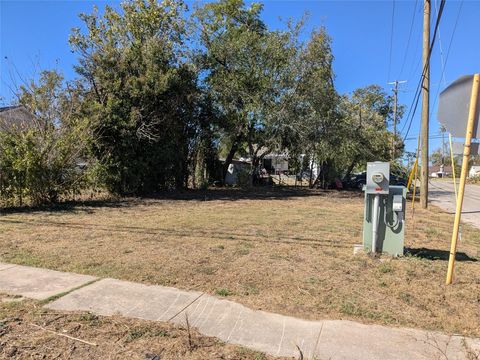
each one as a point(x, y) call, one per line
point(463, 176)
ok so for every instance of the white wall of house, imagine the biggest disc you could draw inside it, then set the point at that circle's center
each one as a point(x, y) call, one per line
point(278, 162)
point(474, 171)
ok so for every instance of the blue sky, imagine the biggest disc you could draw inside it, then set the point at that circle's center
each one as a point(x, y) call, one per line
point(34, 36)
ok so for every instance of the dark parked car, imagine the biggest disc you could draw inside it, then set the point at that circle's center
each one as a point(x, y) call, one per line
point(357, 181)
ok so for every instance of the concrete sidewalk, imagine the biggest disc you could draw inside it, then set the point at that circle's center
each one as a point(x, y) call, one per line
point(39, 284)
point(232, 322)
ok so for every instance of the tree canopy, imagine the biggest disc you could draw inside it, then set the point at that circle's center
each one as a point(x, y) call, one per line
point(167, 98)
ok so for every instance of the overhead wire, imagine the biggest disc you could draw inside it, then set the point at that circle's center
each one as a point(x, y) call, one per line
point(391, 41)
point(409, 38)
point(442, 60)
point(448, 52)
point(430, 138)
point(427, 64)
point(415, 63)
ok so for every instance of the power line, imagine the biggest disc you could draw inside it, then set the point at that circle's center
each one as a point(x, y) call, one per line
point(391, 40)
point(427, 64)
point(442, 60)
point(448, 52)
point(409, 37)
point(415, 64)
point(416, 60)
point(417, 95)
point(430, 138)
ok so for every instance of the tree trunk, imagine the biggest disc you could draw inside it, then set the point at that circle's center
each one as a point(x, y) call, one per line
point(255, 162)
point(313, 183)
point(350, 168)
point(323, 175)
point(194, 172)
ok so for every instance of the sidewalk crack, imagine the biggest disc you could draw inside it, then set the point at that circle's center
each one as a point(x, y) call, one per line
point(185, 307)
point(318, 339)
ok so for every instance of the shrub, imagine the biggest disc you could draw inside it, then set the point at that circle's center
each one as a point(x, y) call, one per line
point(37, 168)
point(40, 153)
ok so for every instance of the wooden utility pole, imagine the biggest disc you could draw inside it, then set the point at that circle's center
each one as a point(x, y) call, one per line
point(395, 105)
point(425, 104)
point(472, 113)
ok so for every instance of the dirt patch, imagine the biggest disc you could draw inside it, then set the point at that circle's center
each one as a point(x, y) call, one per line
point(283, 251)
point(27, 331)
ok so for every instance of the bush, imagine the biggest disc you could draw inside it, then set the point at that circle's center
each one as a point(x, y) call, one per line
point(39, 153)
point(37, 168)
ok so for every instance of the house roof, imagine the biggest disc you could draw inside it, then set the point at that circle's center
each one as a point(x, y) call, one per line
point(436, 168)
point(6, 108)
point(15, 117)
point(235, 161)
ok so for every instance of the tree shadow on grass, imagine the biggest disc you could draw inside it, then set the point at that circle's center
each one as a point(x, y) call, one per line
point(223, 194)
point(434, 254)
point(86, 206)
point(196, 233)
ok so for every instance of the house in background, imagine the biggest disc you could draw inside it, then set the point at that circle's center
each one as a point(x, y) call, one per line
point(15, 117)
point(235, 169)
point(439, 171)
point(271, 164)
point(276, 163)
point(474, 171)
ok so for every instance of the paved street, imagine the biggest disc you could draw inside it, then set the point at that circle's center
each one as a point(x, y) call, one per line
point(442, 195)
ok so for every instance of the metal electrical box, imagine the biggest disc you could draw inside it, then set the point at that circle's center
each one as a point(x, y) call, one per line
point(378, 177)
point(384, 218)
point(390, 240)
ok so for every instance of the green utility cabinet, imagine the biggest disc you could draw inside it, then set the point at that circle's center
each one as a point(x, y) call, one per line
point(391, 221)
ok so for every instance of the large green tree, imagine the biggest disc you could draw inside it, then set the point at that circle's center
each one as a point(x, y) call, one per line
point(367, 115)
point(245, 70)
point(143, 100)
point(313, 116)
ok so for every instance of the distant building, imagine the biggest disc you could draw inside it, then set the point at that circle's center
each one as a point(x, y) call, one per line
point(276, 163)
point(234, 169)
point(438, 171)
point(15, 118)
point(474, 171)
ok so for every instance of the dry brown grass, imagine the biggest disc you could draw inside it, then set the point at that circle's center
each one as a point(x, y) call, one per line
point(114, 337)
point(289, 252)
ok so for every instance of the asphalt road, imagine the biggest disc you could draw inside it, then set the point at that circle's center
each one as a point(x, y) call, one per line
point(442, 194)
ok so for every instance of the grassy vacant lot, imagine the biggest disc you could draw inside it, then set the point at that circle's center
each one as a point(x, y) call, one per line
point(26, 333)
point(283, 251)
